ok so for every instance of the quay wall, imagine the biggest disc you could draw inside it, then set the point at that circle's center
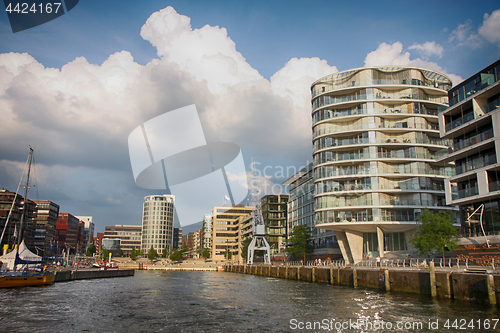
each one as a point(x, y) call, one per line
point(478, 287)
point(70, 275)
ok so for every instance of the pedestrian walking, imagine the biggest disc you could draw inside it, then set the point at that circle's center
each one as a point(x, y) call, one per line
point(378, 261)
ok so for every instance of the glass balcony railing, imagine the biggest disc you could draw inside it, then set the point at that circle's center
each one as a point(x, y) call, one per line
point(483, 136)
point(329, 114)
point(475, 163)
point(468, 192)
point(460, 121)
point(319, 90)
point(329, 100)
point(492, 106)
point(494, 186)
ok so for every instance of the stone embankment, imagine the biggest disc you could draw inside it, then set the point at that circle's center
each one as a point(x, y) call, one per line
point(85, 274)
point(469, 285)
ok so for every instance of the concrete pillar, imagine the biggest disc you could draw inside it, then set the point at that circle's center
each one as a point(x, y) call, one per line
point(387, 280)
point(355, 277)
point(380, 238)
point(355, 243)
point(490, 283)
point(432, 276)
point(344, 246)
point(482, 182)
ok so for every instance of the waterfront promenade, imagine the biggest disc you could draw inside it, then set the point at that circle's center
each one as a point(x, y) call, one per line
point(167, 265)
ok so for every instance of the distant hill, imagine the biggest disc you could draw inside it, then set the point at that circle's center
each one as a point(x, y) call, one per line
point(192, 227)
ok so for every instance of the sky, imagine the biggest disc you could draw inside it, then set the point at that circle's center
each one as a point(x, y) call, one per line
point(75, 88)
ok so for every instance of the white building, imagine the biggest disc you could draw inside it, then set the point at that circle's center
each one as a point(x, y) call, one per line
point(376, 147)
point(157, 222)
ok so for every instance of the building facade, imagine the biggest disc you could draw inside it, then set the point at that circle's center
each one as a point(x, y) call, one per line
point(46, 215)
point(206, 232)
point(66, 238)
point(157, 222)
point(376, 148)
point(14, 224)
point(301, 211)
point(129, 236)
point(472, 125)
point(225, 230)
point(274, 212)
point(88, 232)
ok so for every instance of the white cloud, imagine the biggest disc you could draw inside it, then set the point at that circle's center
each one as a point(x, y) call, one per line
point(207, 53)
point(490, 29)
point(464, 36)
point(387, 54)
point(428, 49)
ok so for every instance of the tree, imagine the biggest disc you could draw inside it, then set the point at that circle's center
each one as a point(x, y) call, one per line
point(133, 253)
point(244, 247)
point(228, 254)
point(205, 253)
point(300, 242)
point(104, 253)
point(152, 254)
point(91, 250)
point(165, 252)
point(435, 232)
point(178, 254)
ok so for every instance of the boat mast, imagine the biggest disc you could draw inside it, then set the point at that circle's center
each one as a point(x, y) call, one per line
point(19, 236)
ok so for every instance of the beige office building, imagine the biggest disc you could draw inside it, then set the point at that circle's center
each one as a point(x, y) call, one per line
point(226, 231)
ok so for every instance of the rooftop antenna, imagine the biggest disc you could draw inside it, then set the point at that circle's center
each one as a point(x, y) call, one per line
point(259, 242)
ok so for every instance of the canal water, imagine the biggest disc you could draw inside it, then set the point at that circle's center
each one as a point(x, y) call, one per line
point(180, 301)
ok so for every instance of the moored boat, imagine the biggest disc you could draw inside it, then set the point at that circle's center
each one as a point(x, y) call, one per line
point(35, 275)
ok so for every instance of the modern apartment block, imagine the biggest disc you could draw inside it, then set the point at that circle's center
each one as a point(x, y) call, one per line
point(157, 222)
point(301, 211)
point(376, 148)
point(274, 212)
point(206, 232)
point(46, 215)
point(471, 123)
point(88, 232)
point(129, 236)
point(226, 230)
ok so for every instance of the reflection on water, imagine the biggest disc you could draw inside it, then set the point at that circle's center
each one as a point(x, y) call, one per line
point(159, 301)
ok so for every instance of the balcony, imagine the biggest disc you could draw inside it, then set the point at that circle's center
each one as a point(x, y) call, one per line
point(460, 121)
point(475, 164)
point(494, 186)
point(468, 192)
point(461, 144)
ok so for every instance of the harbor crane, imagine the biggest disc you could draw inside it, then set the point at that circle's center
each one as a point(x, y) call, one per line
point(259, 242)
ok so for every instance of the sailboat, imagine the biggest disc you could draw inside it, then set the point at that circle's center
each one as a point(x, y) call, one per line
point(36, 275)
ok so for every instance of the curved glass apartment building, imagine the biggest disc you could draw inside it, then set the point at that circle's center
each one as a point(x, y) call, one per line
point(376, 144)
point(157, 222)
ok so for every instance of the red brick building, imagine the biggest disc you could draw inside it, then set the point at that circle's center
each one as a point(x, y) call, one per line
point(67, 230)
